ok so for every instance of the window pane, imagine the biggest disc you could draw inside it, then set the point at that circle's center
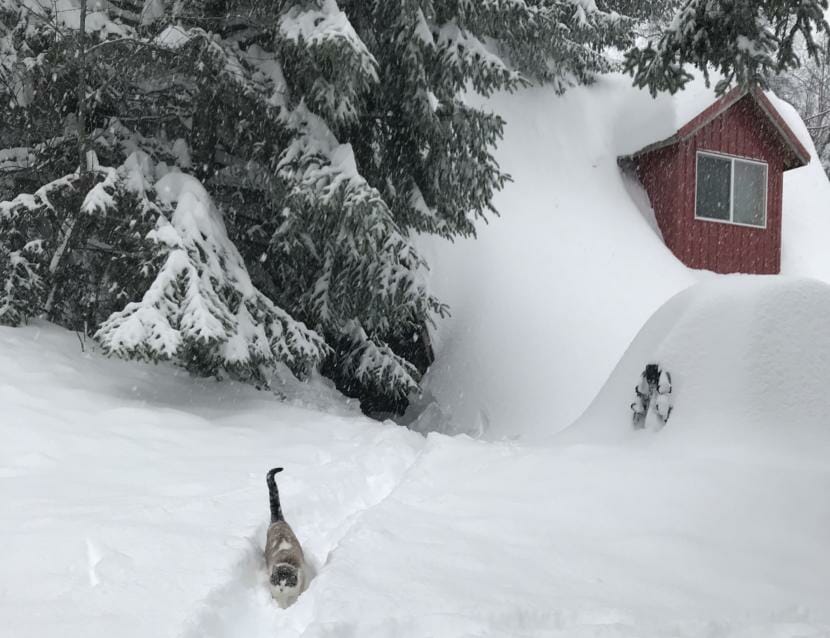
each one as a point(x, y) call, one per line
point(713, 187)
point(750, 189)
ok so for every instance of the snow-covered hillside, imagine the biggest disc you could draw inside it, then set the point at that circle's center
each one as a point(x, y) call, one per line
point(551, 294)
point(134, 505)
point(749, 359)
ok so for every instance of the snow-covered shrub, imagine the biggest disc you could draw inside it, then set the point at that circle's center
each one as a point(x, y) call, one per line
point(153, 267)
point(201, 308)
point(75, 249)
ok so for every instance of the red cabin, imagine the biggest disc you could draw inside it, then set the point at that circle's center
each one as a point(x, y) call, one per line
point(716, 184)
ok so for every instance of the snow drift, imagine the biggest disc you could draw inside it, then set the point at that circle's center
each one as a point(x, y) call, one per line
point(749, 359)
point(547, 299)
point(806, 220)
point(134, 505)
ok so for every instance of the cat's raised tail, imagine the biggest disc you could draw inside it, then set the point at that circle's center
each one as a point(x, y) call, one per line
point(274, 495)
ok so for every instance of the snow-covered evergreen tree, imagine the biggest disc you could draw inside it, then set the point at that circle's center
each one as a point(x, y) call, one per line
point(414, 156)
point(201, 307)
point(75, 249)
point(745, 40)
point(327, 134)
point(85, 245)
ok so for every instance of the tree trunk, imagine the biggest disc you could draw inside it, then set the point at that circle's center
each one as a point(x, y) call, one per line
point(82, 164)
point(68, 226)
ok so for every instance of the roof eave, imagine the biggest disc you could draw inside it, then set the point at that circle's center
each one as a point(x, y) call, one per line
point(656, 146)
point(800, 154)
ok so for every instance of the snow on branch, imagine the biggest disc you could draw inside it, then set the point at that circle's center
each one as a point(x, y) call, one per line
point(22, 283)
point(256, 75)
point(472, 59)
point(746, 41)
point(334, 68)
point(367, 243)
point(375, 365)
point(316, 161)
point(202, 308)
point(13, 159)
point(325, 24)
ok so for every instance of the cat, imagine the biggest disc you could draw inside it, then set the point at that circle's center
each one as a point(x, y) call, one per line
point(287, 572)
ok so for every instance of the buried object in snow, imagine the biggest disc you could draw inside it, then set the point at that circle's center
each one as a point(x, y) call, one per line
point(653, 390)
point(749, 362)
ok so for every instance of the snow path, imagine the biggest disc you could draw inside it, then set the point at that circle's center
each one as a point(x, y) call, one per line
point(499, 540)
point(243, 606)
point(129, 487)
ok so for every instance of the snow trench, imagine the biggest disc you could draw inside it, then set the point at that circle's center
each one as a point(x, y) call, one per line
point(243, 604)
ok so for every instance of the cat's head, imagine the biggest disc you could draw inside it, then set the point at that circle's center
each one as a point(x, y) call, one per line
point(285, 583)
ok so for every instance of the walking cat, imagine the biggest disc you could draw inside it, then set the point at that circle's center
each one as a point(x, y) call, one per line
point(287, 572)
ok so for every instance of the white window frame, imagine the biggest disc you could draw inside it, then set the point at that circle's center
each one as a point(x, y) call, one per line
point(733, 159)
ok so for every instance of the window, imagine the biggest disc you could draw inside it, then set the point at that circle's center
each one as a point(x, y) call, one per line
point(731, 190)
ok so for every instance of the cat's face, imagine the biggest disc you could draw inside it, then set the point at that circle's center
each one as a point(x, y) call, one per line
point(285, 584)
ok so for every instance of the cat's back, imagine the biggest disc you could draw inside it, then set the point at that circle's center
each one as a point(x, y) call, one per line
point(282, 546)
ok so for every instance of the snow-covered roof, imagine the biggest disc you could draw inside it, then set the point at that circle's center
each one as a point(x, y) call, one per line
point(697, 109)
point(576, 240)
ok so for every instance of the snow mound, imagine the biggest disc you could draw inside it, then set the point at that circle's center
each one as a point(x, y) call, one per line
point(748, 358)
point(546, 300)
point(806, 221)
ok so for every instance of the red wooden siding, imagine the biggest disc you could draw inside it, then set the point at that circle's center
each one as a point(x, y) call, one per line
point(668, 175)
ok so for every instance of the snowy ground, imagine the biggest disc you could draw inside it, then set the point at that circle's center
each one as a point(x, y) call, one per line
point(134, 495)
point(134, 505)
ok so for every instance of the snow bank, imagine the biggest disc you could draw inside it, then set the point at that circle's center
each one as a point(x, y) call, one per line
point(749, 359)
point(580, 542)
point(806, 220)
point(133, 494)
point(548, 298)
point(134, 505)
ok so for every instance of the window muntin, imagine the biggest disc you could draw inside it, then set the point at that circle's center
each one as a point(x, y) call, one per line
point(731, 190)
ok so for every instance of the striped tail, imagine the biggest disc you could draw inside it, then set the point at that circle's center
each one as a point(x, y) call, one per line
point(274, 496)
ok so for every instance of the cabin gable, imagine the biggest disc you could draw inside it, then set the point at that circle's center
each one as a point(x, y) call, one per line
point(668, 170)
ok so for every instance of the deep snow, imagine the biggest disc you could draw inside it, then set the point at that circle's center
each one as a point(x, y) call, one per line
point(548, 297)
point(749, 358)
point(132, 494)
point(134, 505)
